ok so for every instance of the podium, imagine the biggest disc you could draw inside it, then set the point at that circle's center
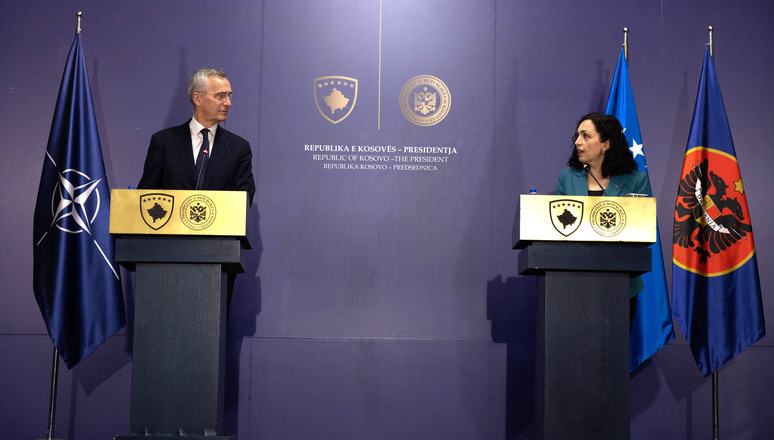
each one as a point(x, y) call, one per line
point(179, 243)
point(583, 251)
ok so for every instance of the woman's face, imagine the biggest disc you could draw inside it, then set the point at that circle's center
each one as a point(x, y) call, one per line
point(590, 150)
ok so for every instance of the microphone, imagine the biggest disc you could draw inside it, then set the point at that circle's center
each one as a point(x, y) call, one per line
point(586, 167)
point(204, 162)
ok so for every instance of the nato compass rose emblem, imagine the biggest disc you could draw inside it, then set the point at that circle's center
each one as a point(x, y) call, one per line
point(335, 97)
point(75, 206)
point(75, 202)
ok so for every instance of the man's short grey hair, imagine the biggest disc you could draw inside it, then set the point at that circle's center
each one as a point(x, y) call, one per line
point(200, 79)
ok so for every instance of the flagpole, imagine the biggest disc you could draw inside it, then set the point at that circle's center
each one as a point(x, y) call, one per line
point(625, 44)
point(715, 409)
point(55, 362)
point(715, 399)
point(711, 43)
point(52, 397)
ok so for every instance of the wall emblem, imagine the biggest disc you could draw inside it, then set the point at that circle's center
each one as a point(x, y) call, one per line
point(566, 215)
point(425, 100)
point(335, 97)
point(156, 209)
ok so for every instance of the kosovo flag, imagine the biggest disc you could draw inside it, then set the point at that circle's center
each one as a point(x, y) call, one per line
point(76, 280)
point(716, 292)
point(652, 325)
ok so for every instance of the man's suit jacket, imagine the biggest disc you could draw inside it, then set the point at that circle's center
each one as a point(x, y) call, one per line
point(573, 182)
point(170, 163)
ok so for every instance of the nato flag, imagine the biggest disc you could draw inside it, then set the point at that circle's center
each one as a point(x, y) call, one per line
point(76, 280)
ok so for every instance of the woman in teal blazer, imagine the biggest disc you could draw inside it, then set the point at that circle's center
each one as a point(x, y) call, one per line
point(602, 165)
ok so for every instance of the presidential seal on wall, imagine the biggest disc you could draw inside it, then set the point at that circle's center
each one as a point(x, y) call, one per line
point(425, 100)
point(335, 97)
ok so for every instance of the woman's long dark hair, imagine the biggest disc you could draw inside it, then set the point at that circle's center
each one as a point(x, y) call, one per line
point(618, 159)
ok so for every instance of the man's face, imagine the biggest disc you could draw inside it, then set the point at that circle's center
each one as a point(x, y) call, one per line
point(212, 104)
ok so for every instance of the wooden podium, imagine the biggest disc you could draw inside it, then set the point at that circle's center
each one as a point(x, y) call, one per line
point(583, 250)
point(179, 243)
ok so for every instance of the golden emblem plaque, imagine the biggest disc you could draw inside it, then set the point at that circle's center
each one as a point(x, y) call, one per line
point(178, 212)
point(585, 218)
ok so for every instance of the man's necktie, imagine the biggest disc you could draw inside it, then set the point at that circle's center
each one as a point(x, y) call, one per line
point(201, 159)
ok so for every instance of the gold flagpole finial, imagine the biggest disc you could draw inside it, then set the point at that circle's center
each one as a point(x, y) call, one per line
point(711, 44)
point(78, 26)
point(625, 44)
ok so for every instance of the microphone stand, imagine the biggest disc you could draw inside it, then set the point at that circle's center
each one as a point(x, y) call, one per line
point(588, 171)
point(204, 161)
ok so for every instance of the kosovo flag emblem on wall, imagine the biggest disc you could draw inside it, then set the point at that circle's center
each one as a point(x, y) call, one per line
point(335, 97)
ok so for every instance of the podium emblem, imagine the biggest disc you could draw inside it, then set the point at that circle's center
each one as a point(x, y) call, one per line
point(156, 209)
point(198, 212)
point(566, 215)
point(608, 218)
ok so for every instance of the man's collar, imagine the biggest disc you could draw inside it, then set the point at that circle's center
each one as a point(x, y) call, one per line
point(196, 127)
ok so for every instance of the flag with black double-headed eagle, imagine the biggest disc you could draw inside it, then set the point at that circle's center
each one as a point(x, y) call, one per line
point(716, 293)
point(75, 278)
point(652, 324)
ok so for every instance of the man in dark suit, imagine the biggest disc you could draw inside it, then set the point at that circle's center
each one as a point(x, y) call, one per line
point(173, 153)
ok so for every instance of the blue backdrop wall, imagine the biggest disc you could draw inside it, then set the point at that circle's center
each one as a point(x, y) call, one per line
point(381, 303)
